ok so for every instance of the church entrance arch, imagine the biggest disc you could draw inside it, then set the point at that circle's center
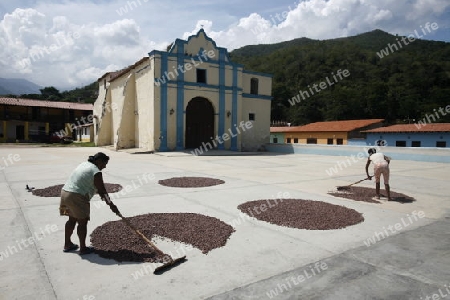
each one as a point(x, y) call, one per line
point(199, 122)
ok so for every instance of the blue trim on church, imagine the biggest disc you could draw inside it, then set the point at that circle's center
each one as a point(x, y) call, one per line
point(257, 73)
point(205, 85)
point(180, 100)
point(263, 97)
point(234, 110)
point(221, 129)
point(163, 119)
point(176, 79)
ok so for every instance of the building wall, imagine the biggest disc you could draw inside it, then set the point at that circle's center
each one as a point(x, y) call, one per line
point(2, 131)
point(259, 134)
point(102, 111)
point(118, 95)
point(125, 117)
point(36, 128)
point(37, 122)
point(160, 99)
point(441, 155)
point(167, 82)
point(191, 55)
point(221, 90)
point(84, 134)
point(426, 139)
point(145, 116)
point(322, 137)
point(264, 83)
point(359, 142)
point(279, 136)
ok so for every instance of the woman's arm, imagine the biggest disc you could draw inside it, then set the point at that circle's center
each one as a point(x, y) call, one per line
point(367, 168)
point(100, 186)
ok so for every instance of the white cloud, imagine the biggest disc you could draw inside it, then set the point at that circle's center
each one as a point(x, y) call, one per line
point(64, 50)
point(325, 19)
point(55, 51)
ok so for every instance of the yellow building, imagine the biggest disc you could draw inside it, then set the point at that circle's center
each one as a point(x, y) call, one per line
point(191, 96)
point(328, 133)
point(27, 120)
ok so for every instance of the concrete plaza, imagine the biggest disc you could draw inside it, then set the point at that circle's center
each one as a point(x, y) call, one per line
point(259, 261)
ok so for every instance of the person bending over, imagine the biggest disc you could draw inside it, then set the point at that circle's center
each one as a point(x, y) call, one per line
point(76, 193)
point(381, 166)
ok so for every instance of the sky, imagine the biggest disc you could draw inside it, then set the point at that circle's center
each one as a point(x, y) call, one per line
point(69, 44)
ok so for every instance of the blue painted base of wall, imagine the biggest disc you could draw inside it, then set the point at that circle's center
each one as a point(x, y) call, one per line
point(441, 155)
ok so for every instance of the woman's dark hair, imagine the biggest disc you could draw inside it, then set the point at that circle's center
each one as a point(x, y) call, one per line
point(372, 151)
point(98, 156)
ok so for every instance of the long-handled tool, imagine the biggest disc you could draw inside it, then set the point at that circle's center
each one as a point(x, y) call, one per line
point(168, 261)
point(347, 187)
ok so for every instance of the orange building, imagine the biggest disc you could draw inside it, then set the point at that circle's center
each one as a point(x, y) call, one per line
point(26, 120)
point(325, 133)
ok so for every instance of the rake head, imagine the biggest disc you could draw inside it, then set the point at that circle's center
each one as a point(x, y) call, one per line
point(166, 267)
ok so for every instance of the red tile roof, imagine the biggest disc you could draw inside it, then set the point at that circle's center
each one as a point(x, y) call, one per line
point(431, 127)
point(42, 103)
point(335, 126)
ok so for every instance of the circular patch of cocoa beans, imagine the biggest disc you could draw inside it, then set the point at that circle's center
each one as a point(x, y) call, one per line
point(190, 182)
point(302, 214)
point(55, 190)
point(116, 240)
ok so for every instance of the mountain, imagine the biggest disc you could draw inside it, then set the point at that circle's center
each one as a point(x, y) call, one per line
point(264, 49)
point(389, 77)
point(18, 86)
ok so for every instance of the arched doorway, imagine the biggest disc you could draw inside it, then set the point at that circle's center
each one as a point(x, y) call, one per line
point(199, 122)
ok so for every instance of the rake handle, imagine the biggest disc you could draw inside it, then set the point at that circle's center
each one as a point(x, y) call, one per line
point(358, 181)
point(140, 234)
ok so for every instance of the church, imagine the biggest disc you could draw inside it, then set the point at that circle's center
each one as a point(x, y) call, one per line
point(188, 97)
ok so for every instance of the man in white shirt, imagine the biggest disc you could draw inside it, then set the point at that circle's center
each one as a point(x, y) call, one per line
point(381, 166)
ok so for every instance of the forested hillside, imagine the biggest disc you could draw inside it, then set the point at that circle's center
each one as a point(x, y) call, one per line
point(389, 77)
point(398, 85)
point(86, 94)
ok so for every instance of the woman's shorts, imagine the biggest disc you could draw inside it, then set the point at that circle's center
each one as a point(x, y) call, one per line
point(74, 205)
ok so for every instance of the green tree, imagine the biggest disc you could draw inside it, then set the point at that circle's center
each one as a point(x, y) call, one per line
point(51, 94)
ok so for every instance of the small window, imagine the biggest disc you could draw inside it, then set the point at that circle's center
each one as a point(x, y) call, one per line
point(254, 86)
point(295, 140)
point(35, 112)
point(251, 116)
point(381, 143)
point(441, 144)
point(329, 141)
point(339, 142)
point(311, 141)
point(275, 140)
point(400, 143)
point(201, 75)
point(415, 144)
point(288, 140)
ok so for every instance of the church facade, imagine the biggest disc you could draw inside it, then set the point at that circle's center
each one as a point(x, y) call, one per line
point(189, 97)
